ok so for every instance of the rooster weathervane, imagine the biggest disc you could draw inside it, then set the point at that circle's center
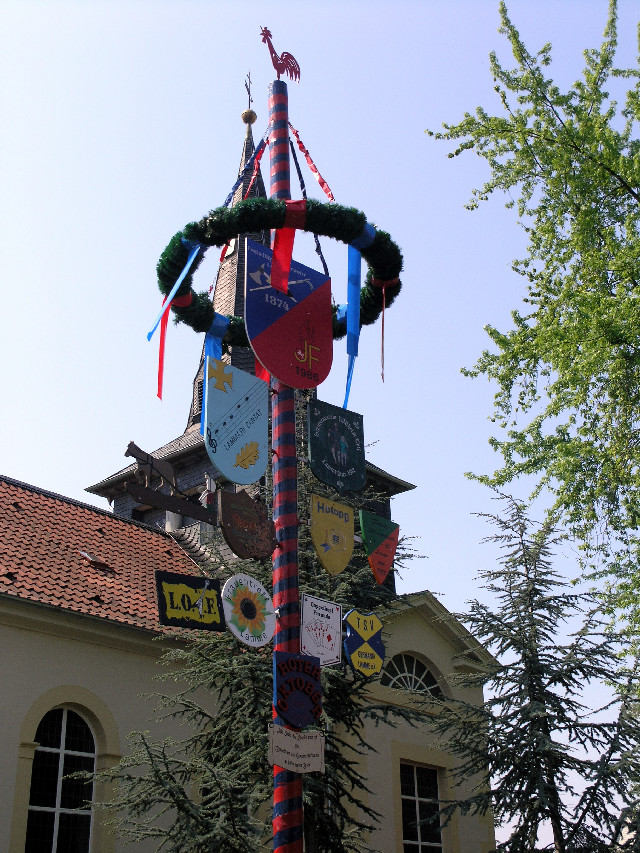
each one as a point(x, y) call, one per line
point(283, 64)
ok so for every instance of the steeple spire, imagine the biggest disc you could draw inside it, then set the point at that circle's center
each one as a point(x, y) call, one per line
point(228, 295)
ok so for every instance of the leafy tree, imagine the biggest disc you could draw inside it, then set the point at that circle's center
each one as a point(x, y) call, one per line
point(212, 788)
point(568, 372)
point(548, 763)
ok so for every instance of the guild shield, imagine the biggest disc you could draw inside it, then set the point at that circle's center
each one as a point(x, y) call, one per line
point(237, 422)
point(291, 333)
point(363, 644)
point(336, 446)
point(332, 533)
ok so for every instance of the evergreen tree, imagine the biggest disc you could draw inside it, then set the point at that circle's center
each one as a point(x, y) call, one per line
point(212, 789)
point(568, 372)
point(549, 764)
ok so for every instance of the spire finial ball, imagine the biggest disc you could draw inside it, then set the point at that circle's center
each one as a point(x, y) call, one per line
point(248, 116)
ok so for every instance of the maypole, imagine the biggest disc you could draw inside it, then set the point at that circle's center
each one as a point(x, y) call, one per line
point(287, 786)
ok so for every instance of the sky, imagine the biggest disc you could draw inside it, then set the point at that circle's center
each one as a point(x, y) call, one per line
point(120, 123)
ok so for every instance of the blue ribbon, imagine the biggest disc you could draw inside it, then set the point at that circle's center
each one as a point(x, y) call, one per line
point(259, 149)
point(366, 238)
point(212, 349)
point(353, 314)
point(194, 249)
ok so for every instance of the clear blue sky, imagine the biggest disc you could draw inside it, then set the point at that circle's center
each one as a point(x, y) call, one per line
point(120, 122)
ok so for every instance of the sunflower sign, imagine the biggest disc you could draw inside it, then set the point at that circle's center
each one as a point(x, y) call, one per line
point(380, 541)
point(248, 609)
point(290, 333)
point(332, 533)
point(237, 422)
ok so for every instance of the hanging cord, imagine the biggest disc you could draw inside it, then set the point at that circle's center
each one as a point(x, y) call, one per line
point(303, 189)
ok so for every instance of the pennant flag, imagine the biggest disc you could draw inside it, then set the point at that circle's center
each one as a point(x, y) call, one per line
point(380, 537)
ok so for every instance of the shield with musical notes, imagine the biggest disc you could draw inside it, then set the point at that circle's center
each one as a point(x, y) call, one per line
point(291, 333)
point(237, 422)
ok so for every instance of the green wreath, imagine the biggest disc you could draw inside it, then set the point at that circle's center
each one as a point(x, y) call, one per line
point(383, 258)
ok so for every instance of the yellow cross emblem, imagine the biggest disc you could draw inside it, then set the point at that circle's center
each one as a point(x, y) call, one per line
point(216, 370)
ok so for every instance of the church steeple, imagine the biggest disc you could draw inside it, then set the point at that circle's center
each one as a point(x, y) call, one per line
point(228, 295)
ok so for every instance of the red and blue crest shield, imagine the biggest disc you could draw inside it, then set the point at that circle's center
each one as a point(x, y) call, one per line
point(291, 333)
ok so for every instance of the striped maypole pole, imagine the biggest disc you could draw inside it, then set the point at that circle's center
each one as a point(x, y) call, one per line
point(287, 786)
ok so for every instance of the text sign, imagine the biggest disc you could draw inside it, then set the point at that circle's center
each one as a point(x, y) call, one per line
point(336, 446)
point(363, 643)
point(291, 333)
point(296, 689)
point(185, 601)
point(237, 422)
point(248, 609)
point(321, 629)
point(332, 533)
point(246, 527)
point(300, 752)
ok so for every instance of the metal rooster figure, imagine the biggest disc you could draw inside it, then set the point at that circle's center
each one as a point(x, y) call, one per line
point(283, 64)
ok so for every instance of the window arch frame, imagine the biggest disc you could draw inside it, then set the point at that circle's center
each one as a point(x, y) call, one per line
point(107, 741)
point(409, 680)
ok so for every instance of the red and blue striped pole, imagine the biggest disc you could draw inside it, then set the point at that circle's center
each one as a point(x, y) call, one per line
point(288, 823)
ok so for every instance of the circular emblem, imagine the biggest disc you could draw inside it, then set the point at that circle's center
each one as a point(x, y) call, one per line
point(248, 610)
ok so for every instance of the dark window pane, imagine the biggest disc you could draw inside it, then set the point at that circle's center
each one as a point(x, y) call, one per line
point(44, 779)
point(78, 736)
point(76, 792)
point(49, 731)
point(410, 848)
point(39, 832)
point(409, 824)
point(427, 783)
point(429, 822)
point(73, 833)
point(407, 785)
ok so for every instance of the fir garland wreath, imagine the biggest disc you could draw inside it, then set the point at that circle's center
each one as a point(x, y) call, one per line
point(347, 224)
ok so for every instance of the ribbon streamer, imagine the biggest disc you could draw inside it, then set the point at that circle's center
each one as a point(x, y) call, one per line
point(178, 302)
point(212, 349)
point(256, 165)
point(312, 165)
point(295, 216)
point(257, 153)
point(195, 248)
point(365, 239)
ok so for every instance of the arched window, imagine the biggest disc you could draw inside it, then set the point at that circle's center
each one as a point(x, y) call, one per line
point(59, 808)
point(406, 672)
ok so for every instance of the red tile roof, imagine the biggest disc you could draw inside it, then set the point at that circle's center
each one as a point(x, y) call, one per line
point(63, 553)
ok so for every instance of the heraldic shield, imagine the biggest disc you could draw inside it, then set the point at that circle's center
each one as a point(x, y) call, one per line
point(336, 446)
point(291, 333)
point(332, 533)
point(237, 423)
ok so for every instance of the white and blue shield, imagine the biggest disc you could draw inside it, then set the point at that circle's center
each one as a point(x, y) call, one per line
point(237, 423)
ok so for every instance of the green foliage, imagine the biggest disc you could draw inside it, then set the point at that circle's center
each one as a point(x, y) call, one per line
point(546, 760)
point(568, 372)
point(212, 788)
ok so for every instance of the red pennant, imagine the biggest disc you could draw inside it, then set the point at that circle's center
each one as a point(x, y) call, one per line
point(177, 302)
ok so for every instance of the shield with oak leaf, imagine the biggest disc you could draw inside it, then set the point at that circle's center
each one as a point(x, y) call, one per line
point(237, 422)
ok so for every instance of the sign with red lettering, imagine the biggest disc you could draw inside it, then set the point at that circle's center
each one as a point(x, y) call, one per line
point(246, 527)
point(291, 333)
point(297, 690)
point(185, 601)
point(363, 644)
point(321, 629)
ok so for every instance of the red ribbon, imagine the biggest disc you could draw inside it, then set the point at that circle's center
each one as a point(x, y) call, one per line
point(261, 372)
point(177, 302)
point(295, 216)
point(312, 165)
point(377, 282)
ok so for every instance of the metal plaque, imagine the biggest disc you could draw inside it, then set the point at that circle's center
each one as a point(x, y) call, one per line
point(332, 533)
point(248, 609)
point(380, 536)
point(291, 333)
point(363, 644)
point(237, 422)
point(246, 526)
point(185, 601)
point(336, 446)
